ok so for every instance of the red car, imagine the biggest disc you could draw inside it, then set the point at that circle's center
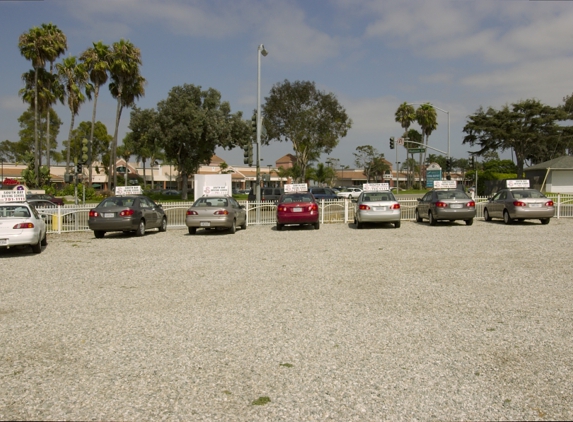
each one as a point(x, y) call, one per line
point(297, 208)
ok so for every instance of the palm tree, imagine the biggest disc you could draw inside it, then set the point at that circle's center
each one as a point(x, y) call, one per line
point(55, 44)
point(427, 118)
point(96, 61)
point(126, 86)
point(74, 77)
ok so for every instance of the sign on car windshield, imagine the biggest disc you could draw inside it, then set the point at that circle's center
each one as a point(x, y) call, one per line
point(521, 183)
point(296, 187)
point(445, 184)
point(12, 196)
point(127, 190)
point(375, 187)
point(216, 191)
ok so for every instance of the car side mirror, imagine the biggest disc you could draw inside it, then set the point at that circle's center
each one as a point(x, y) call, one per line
point(242, 207)
point(419, 199)
point(159, 206)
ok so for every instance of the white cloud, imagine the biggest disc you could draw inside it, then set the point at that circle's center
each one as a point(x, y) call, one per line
point(12, 103)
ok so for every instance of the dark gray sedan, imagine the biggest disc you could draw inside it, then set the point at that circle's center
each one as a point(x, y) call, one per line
point(130, 213)
point(447, 204)
point(519, 204)
point(220, 212)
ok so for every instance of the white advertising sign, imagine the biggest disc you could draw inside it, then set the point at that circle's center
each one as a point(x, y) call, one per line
point(375, 187)
point(445, 184)
point(12, 196)
point(298, 187)
point(521, 183)
point(216, 191)
point(127, 190)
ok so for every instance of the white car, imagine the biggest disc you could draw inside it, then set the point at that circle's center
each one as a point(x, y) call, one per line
point(351, 193)
point(21, 224)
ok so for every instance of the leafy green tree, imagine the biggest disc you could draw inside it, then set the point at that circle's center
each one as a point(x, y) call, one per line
point(312, 120)
point(74, 78)
point(96, 62)
point(126, 86)
point(379, 167)
point(322, 174)
point(528, 128)
point(101, 140)
point(193, 123)
point(368, 158)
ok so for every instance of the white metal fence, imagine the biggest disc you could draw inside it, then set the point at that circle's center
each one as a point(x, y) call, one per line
point(70, 218)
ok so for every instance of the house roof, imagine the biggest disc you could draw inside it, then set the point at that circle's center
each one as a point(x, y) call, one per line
point(564, 163)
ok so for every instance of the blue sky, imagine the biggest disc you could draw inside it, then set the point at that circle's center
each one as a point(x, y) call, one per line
point(372, 54)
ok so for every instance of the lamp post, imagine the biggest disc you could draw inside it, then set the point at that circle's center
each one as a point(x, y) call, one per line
point(260, 51)
point(269, 182)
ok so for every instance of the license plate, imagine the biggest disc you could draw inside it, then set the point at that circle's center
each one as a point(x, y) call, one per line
point(297, 210)
point(3, 242)
point(379, 208)
point(205, 224)
point(456, 206)
point(535, 205)
point(108, 215)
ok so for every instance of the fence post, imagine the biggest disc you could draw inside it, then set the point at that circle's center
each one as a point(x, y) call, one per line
point(247, 212)
point(558, 205)
point(346, 210)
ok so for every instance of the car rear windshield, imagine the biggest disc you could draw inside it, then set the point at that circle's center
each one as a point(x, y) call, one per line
point(378, 197)
point(452, 194)
point(530, 193)
point(117, 201)
point(296, 198)
point(14, 211)
point(211, 202)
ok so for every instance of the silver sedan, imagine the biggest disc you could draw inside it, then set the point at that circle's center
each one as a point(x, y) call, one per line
point(221, 212)
point(447, 204)
point(519, 204)
point(377, 207)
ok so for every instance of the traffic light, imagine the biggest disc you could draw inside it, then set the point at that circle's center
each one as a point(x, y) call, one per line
point(472, 161)
point(254, 126)
point(248, 154)
point(84, 150)
point(79, 168)
point(391, 142)
point(449, 164)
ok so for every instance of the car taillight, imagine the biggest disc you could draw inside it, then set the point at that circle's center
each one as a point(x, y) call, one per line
point(471, 204)
point(441, 204)
point(549, 204)
point(126, 213)
point(221, 212)
point(191, 212)
point(313, 207)
point(364, 207)
point(395, 207)
point(94, 213)
point(519, 204)
point(24, 226)
point(282, 208)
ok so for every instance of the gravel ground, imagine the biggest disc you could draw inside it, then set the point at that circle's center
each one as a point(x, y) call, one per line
point(452, 322)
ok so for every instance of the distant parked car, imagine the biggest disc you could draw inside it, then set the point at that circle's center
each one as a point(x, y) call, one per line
point(45, 196)
point(323, 193)
point(216, 212)
point(520, 203)
point(129, 213)
point(297, 208)
point(377, 206)
point(445, 202)
point(267, 194)
point(350, 193)
point(171, 192)
point(20, 225)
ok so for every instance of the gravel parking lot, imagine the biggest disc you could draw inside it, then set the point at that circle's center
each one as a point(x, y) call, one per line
point(452, 322)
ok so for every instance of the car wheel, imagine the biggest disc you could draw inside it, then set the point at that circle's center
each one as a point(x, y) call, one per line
point(359, 225)
point(280, 227)
point(98, 234)
point(486, 215)
point(506, 217)
point(37, 247)
point(316, 225)
point(192, 230)
point(233, 228)
point(432, 219)
point(397, 224)
point(418, 218)
point(45, 239)
point(140, 229)
point(244, 225)
point(545, 220)
point(469, 222)
point(163, 227)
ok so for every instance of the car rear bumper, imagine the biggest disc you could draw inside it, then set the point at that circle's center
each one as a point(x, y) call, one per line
point(25, 237)
point(297, 218)
point(454, 214)
point(378, 216)
point(113, 224)
point(532, 213)
point(198, 222)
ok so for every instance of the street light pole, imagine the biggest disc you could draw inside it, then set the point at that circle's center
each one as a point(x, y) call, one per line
point(260, 51)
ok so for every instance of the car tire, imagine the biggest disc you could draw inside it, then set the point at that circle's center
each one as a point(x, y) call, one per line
point(140, 229)
point(98, 234)
point(486, 215)
point(279, 227)
point(545, 220)
point(506, 218)
point(192, 230)
point(316, 225)
point(359, 225)
point(233, 228)
point(37, 247)
point(418, 218)
point(397, 224)
point(469, 222)
point(432, 219)
point(244, 225)
point(163, 226)
point(45, 240)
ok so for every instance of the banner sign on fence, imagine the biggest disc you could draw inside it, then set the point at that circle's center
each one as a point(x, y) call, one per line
point(296, 187)
point(127, 190)
point(12, 196)
point(375, 187)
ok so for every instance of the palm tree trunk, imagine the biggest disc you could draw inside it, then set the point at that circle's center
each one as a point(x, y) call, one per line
point(36, 140)
point(70, 141)
point(90, 145)
point(144, 179)
point(114, 144)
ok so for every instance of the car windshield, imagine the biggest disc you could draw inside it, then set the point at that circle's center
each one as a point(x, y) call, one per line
point(378, 196)
point(529, 193)
point(296, 198)
point(452, 194)
point(117, 201)
point(14, 211)
point(211, 202)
